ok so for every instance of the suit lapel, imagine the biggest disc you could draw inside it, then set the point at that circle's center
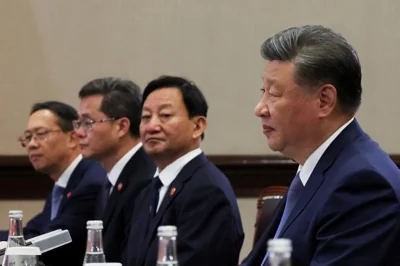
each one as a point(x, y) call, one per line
point(168, 199)
point(173, 191)
point(316, 179)
point(141, 233)
point(73, 181)
point(133, 172)
point(312, 186)
point(112, 201)
point(120, 186)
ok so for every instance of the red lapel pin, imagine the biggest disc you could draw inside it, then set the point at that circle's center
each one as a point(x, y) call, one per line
point(120, 185)
point(172, 191)
point(68, 195)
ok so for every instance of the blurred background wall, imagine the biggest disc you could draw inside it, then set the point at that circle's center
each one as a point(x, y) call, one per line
point(48, 49)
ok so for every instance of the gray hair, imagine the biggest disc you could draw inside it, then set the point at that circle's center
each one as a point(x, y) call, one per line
point(320, 56)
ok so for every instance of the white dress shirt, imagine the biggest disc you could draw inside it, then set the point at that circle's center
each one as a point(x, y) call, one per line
point(64, 178)
point(168, 175)
point(115, 172)
point(312, 161)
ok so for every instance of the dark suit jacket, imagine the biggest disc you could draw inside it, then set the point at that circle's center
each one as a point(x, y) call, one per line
point(349, 213)
point(117, 213)
point(76, 207)
point(202, 204)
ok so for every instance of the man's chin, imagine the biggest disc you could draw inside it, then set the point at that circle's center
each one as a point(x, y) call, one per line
point(274, 146)
point(154, 149)
point(41, 169)
point(154, 152)
point(88, 155)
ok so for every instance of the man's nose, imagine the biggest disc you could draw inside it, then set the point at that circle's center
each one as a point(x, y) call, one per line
point(261, 109)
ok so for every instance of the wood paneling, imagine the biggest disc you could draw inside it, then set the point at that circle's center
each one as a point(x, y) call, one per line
point(248, 175)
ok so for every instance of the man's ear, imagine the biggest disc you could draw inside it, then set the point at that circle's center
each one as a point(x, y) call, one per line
point(73, 140)
point(327, 99)
point(123, 126)
point(199, 126)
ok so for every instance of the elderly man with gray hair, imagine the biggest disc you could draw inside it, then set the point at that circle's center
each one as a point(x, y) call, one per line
point(342, 207)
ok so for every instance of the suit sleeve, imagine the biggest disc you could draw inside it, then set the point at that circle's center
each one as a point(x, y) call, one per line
point(359, 218)
point(35, 225)
point(3, 235)
point(81, 208)
point(207, 231)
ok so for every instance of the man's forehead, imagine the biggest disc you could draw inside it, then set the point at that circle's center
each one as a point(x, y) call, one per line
point(42, 116)
point(278, 70)
point(41, 120)
point(164, 95)
point(89, 107)
point(91, 102)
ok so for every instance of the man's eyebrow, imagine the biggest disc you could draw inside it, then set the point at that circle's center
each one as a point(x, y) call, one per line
point(269, 81)
point(85, 115)
point(162, 106)
point(33, 129)
point(165, 105)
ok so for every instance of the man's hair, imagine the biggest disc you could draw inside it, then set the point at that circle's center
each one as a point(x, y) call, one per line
point(122, 98)
point(65, 113)
point(320, 56)
point(193, 98)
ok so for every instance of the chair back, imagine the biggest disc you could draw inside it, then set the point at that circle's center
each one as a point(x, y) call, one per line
point(266, 204)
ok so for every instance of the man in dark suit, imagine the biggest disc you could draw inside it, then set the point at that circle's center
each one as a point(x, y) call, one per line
point(108, 130)
point(342, 207)
point(188, 191)
point(53, 149)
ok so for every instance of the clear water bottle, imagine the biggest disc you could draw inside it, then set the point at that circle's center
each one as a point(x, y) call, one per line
point(167, 254)
point(94, 244)
point(15, 231)
point(280, 251)
point(24, 256)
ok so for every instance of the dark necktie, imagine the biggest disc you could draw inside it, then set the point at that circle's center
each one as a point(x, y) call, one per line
point(293, 194)
point(104, 197)
point(156, 184)
point(107, 188)
point(56, 196)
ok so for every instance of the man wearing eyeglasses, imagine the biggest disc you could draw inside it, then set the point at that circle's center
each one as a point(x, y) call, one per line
point(108, 131)
point(53, 149)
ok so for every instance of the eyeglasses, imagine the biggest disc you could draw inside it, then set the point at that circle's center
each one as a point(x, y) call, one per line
point(88, 123)
point(39, 135)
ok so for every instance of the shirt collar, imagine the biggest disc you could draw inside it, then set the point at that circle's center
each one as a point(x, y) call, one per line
point(65, 176)
point(115, 172)
point(169, 173)
point(312, 161)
